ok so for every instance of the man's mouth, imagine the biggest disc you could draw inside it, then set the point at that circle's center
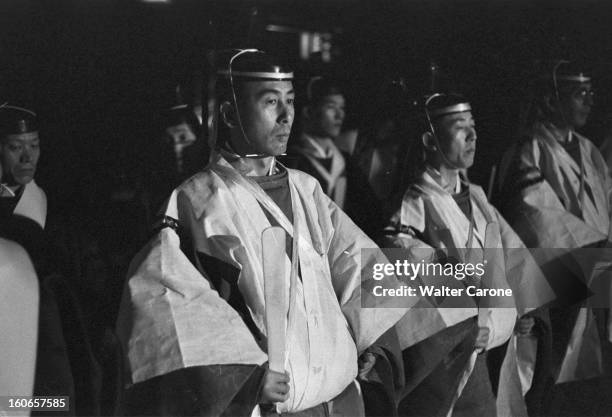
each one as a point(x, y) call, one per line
point(24, 171)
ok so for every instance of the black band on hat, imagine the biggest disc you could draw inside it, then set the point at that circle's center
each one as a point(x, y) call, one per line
point(578, 78)
point(567, 71)
point(17, 120)
point(252, 65)
point(440, 104)
point(456, 108)
point(256, 75)
point(245, 65)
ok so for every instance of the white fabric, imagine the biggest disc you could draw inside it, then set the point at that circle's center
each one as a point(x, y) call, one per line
point(33, 204)
point(19, 303)
point(583, 344)
point(554, 213)
point(432, 213)
point(325, 320)
point(558, 213)
point(516, 376)
point(335, 177)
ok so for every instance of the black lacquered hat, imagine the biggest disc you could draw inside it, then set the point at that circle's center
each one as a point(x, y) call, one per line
point(16, 120)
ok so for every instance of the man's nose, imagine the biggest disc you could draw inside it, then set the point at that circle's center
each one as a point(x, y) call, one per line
point(26, 156)
point(472, 134)
point(286, 114)
point(340, 115)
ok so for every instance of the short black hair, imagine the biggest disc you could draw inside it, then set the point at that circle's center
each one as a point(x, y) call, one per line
point(318, 88)
point(181, 114)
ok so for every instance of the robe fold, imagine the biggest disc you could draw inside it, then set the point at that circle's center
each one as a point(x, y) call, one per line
point(173, 317)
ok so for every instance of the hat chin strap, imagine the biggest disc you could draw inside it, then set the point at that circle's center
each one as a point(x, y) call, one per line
point(433, 132)
point(445, 159)
point(231, 77)
point(438, 148)
point(229, 149)
point(231, 155)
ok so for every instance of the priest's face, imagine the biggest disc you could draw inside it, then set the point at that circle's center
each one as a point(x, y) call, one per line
point(328, 115)
point(180, 137)
point(19, 154)
point(266, 114)
point(575, 104)
point(457, 138)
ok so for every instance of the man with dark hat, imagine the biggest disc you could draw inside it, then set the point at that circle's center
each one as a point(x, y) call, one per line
point(175, 155)
point(554, 188)
point(445, 219)
point(197, 324)
point(23, 221)
point(19, 153)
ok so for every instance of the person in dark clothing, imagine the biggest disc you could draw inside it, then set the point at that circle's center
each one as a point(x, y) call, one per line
point(316, 153)
point(179, 152)
point(65, 361)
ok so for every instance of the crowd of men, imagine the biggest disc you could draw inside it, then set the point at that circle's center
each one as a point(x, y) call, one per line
point(250, 297)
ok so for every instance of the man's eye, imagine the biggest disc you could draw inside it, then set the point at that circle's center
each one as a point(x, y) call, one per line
point(290, 100)
point(271, 101)
point(585, 93)
point(14, 148)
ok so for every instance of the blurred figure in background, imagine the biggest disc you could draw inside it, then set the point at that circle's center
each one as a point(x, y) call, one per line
point(554, 189)
point(378, 154)
point(316, 153)
point(315, 150)
point(23, 216)
point(176, 154)
point(606, 138)
point(19, 154)
point(67, 263)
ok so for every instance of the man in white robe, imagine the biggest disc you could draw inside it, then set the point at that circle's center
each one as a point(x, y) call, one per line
point(193, 319)
point(445, 219)
point(555, 191)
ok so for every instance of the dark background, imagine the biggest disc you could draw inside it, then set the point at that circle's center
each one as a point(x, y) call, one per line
point(99, 72)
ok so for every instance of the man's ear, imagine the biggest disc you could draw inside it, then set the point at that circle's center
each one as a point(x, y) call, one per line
point(551, 103)
point(228, 114)
point(306, 112)
point(429, 142)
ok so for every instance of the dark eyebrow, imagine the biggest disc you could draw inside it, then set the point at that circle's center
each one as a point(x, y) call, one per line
point(273, 91)
point(462, 119)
